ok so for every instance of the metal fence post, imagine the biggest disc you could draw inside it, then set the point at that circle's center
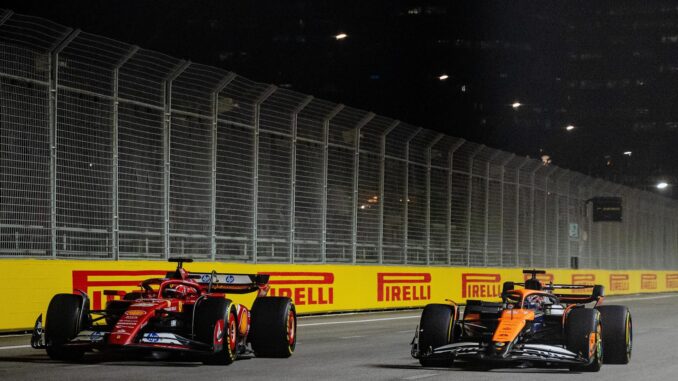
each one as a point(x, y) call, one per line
point(255, 172)
point(501, 207)
point(520, 167)
point(429, 148)
point(382, 175)
point(469, 203)
point(356, 179)
point(406, 198)
point(326, 149)
point(115, 228)
point(486, 221)
point(167, 134)
point(214, 156)
point(448, 223)
point(532, 186)
point(293, 171)
point(54, 52)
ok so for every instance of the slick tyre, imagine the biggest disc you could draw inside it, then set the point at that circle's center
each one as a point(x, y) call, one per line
point(436, 328)
point(583, 331)
point(617, 334)
point(216, 325)
point(274, 327)
point(66, 315)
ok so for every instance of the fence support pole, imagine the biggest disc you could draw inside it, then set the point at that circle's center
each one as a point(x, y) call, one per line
point(54, 52)
point(429, 149)
point(406, 198)
point(255, 172)
point(501, 207)
point(356, 179)
point(167, 134)
point(115, 228)
point(214, 152)
point(469, 203)
point(382, 176)
point(293, 171)
point(520, 167)
point(326, 152)
point(448, 223)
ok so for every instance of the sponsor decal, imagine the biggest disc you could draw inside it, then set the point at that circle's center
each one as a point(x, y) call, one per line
point(94, 282)
point(648, 281)
point(152, 337)
point(305, 287)
point(583, 279)
point(480, 285)
point(205, 278)
point(143, 305)
point(671, 280)
point(96, 336)
point(229, 279)
point(619, 282)
point(136, 312)
point(392, 287)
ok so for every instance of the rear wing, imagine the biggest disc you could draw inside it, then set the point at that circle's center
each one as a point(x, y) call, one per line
point(231, 283)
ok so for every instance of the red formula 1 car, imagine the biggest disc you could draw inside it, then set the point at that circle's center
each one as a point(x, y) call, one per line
point(533, 325)
point(181, 313)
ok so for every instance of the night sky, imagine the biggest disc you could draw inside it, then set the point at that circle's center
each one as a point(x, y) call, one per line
point(609, 68)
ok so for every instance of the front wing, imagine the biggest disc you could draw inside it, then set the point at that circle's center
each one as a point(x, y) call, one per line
point(519, 352)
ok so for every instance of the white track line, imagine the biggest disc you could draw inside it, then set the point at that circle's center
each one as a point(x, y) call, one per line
point(643, 298)
point(357, 321)
point(16, 347)
point(420, 376)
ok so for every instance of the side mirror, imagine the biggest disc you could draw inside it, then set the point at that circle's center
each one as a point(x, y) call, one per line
point(598, 292)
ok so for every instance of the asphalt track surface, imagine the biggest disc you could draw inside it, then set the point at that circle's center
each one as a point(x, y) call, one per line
point(365, 346)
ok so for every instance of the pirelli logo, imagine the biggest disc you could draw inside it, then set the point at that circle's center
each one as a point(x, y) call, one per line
point(480, 285)
point(583, 279)
point(648, 281)
point(94, 282)
point(304, 287)
point(619, 282)
point(392, 287)
point(671, 280)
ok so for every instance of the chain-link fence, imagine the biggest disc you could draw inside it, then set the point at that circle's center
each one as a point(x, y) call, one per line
point(111, 151)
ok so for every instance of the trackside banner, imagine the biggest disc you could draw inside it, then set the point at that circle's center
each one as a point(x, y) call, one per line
point(314, 288)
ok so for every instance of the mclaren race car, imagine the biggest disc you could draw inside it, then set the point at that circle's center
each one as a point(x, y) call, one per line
point(534, 325)
point(184, 312)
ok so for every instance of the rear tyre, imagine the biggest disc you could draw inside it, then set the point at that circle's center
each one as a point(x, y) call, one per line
point(583, 332)
point(274, 327)
point(216, 325)
point(436, 328)
point(65, 317)
point(617, 334)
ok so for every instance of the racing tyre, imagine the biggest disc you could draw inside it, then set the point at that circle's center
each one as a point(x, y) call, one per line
point(274, 327)
point(583, 331)
point(66, 315)
point(216, 324)
point(436, 329)
point(617, 334)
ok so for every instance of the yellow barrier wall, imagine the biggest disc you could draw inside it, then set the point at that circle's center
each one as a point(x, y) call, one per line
point(314, 288)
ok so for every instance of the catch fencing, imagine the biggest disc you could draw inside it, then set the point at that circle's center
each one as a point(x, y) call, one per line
point(110, 151)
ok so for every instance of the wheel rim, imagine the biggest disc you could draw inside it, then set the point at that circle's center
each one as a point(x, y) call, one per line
point(599, 344)
point(219, 332)
point(629, 336)
point(291, 328)
point(232, 331)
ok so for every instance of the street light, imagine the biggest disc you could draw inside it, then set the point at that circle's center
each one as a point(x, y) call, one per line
point(341, 36)
point(662, 185)
point(569, 127)
point(443, 77)
point(627, 153)
point(516, 105)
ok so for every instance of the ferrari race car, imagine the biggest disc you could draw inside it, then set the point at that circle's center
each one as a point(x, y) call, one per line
point(534, 325)
point(184, 312)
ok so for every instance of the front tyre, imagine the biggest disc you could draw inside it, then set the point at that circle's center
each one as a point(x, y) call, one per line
point(274, 327)
point(66, 315)
point(436, 328)
point(583, 331)
point(216, 325)
point(617, 334)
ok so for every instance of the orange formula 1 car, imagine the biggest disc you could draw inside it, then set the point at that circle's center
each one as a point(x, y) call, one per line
point(186, 314)
point(533, 325)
